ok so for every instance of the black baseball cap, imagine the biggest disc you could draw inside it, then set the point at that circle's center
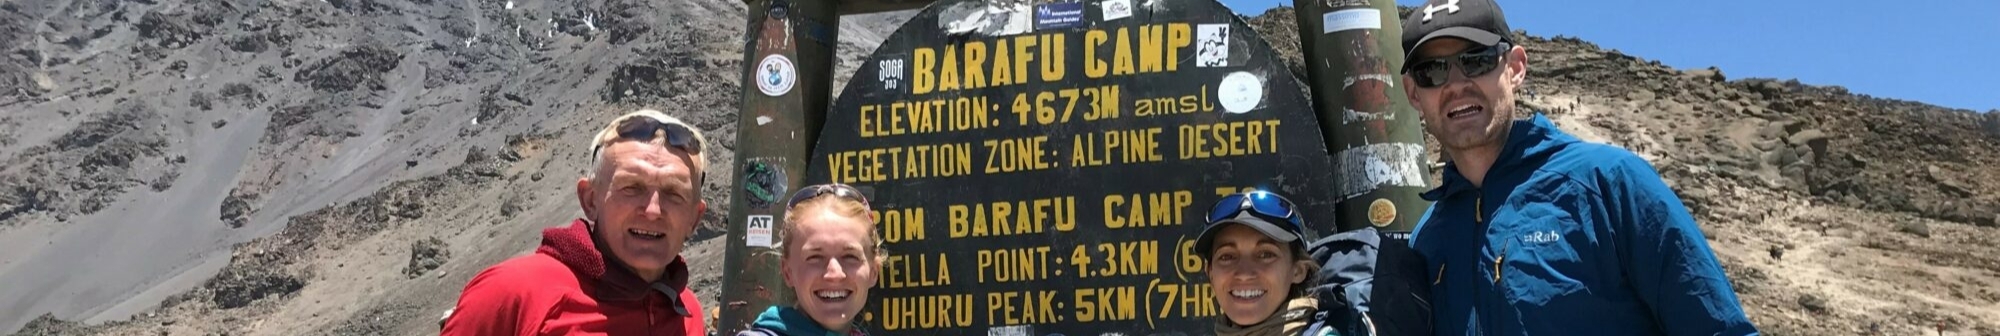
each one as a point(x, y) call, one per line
point(1479, 21)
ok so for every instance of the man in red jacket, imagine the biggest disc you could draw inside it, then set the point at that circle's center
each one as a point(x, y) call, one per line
point(617, 270)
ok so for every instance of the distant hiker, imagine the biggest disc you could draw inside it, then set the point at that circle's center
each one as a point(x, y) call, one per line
point(830, 257)
point(1255, 245)
point(1534, 231)
point(617, 270)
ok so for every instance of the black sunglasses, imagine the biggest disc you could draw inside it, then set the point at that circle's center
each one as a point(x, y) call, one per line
point(643, 128)
point(837, 189)
point(1475, 62)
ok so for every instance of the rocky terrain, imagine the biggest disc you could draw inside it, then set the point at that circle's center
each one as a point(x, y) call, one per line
point(297, 167)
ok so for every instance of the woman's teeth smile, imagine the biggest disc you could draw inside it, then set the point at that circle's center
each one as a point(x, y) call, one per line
point(1247, 293)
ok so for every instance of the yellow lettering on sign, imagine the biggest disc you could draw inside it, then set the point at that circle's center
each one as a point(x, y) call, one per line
point(1152, 48)
point(883, 164)
point(1227, 139)
point(1010, 218)
point(927, 312)
point(948, 78)
point(1122, 59)
point(1146, 210)
point(1052, 57)
point(900, 225)
point(909, 271)
point(1157, 49)
point(1092, 66)
point(1022, 56)
point(1016, 155)
point(1118, 259)
point(1003, 70)
point(1013, 264)
point(1192, 300)
point(1178, 37)
point(921, 78)
point(975, 60)
point(1162, 106)
point(925, 117)
point(1015, 308)
point(1104, 103)
point(1118, 146)
point(1106, 304)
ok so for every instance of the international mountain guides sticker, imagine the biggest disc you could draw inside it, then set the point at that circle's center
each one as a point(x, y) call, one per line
point(1058, 15)
point(776, 75)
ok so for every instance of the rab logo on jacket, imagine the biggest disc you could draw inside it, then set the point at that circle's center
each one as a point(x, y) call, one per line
point(1542, 237)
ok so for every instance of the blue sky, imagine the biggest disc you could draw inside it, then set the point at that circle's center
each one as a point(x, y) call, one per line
point(1945, 53)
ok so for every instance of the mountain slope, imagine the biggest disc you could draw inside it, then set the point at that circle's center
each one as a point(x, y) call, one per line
point(293, 167)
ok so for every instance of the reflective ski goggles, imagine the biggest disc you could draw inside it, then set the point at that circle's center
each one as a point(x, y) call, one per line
point(837, 189)
point(1475, 62)
point(642, 128)
point(1264, 204)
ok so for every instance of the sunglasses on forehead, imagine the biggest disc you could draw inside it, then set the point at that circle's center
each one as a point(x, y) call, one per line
point(1269, 206)
point(1475, 62)
point(643, 128)
point(837, 189)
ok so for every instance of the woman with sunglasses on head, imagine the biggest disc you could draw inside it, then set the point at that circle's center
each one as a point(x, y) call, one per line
point(1255, 245)
point(830, 257)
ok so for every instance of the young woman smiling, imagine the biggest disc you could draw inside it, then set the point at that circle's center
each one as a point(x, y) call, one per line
point(830, 258)
point(1255, 244)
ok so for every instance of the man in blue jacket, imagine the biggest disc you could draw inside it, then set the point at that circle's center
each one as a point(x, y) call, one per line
point(1535, 232)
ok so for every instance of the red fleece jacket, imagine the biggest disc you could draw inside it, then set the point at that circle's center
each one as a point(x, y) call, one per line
point(566, 288)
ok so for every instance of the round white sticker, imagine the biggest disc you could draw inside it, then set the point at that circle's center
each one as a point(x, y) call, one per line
point(1240, 92)
point(775, 75)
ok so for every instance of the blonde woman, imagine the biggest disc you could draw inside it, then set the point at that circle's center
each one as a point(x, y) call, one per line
point(830, 257)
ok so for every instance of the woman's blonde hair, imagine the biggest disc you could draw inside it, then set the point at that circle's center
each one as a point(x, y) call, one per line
point(839, 206)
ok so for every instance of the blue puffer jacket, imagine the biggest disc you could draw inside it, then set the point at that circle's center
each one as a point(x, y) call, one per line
point(1570, 238)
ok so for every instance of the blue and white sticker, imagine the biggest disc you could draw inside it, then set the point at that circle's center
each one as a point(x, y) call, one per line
point(1058, 15)
point(776, 75)
point(1351, 19)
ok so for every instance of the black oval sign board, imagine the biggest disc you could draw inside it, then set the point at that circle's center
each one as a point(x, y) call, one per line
point(1042, 169)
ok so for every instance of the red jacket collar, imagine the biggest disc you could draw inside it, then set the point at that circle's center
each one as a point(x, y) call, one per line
point(575, 247)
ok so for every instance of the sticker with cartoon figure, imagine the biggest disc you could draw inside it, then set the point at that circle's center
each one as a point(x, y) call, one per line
point(776, 75)
point(1212, 45)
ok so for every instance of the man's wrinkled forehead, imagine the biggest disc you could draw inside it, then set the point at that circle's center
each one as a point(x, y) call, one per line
point(633, 155)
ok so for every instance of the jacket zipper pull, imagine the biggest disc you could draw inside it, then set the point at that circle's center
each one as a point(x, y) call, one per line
point(1500, 259)
point(1479, 209)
